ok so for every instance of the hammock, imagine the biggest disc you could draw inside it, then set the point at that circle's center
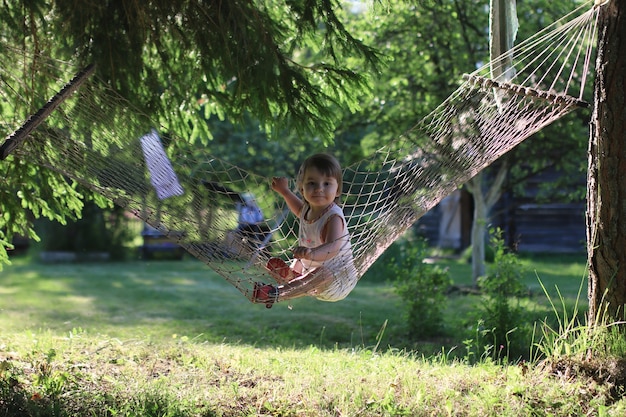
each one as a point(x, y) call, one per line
point(384, 194)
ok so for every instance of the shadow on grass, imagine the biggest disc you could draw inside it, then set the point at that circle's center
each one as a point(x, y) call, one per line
point(174, 299)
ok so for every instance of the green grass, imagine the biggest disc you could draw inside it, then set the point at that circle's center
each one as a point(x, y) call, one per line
point(160, 299)
point(169, 338)
point(157, 300)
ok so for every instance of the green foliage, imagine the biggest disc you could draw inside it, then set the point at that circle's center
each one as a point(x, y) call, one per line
point(427, 47)
point(502, 325)
point(504, 277)
point(560, 148)
point(5, 243)
point(233, 57)
point(27, 192)
point(182, 63)
point(421, 286)
point(97, 230)
point(571, 336)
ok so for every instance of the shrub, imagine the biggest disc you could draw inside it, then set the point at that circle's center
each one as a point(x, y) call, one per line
point(421, 286)
point(502, 323)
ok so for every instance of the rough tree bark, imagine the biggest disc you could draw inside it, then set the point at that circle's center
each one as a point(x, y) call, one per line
point(606, 186)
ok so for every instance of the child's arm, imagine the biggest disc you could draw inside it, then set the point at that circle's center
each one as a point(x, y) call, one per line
point(334, 236)
point(281, 186)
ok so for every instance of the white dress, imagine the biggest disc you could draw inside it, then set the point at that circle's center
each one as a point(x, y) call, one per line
point(341, 266)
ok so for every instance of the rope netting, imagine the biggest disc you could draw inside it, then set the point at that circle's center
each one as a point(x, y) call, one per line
point(94, 137)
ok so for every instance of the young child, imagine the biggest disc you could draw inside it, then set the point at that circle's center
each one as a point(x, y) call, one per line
point(323, 265)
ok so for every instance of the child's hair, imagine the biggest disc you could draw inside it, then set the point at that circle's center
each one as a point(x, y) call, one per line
point(327, 165)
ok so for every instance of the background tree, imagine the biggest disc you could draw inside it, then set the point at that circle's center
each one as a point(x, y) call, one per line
point(503, 26)
point(428, 45)
point(182, 62)
point(559, 147)
point(606, 185)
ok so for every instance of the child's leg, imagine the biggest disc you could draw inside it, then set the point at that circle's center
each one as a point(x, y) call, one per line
point(280, 271)
point(298, 267)
point(310, 284)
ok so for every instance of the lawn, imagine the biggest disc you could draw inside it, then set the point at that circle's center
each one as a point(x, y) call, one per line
point(161, 299)
point(171, 338)
point(164, 299)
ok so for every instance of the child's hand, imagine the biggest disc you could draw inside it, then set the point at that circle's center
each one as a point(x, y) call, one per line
point(302, 252)
point(280, 184)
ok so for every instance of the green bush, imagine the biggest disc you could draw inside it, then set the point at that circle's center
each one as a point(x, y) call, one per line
point(421, 286)
point(502, 325)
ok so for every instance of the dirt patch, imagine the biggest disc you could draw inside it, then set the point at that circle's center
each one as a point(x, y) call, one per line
point(608, 372)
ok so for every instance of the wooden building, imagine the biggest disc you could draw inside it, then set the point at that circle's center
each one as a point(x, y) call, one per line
point(528, 224)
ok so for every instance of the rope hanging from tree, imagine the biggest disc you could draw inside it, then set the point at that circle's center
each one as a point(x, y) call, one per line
point(383, 194)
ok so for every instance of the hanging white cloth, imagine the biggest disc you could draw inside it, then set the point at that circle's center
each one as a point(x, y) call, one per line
point(162, 175)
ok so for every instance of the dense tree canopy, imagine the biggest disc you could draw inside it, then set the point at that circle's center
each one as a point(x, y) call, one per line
point(235, 56)
point(428, 46)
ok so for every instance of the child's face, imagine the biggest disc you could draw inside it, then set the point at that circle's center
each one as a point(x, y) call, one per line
point(318, 189)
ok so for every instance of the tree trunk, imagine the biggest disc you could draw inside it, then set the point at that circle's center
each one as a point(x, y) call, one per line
point(606, 189)
point(502, 31)
point(479, 227)
point(482, 208)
